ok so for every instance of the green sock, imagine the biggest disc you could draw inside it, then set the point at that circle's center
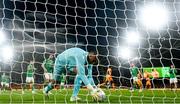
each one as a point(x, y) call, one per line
point(33, 87)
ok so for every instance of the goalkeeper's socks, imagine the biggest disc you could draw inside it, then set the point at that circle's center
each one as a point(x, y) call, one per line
point(48, 88)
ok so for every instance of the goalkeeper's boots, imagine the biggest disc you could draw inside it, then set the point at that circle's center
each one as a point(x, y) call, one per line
point(75, 98)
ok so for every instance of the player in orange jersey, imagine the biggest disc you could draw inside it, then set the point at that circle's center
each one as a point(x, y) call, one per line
point(147, 78)
point(139, 81)
point(108, 79)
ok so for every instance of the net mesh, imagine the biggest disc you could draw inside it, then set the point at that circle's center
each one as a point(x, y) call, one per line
point(31, 30)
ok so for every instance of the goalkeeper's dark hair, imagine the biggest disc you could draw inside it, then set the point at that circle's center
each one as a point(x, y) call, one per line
point(92, 57)
point(92, 53)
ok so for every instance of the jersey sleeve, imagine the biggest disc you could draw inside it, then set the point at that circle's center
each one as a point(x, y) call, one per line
point(80, 61)
point(44, 62)
point(31, 67)
point(175, 71)
point(170, 71)
point(90, 70)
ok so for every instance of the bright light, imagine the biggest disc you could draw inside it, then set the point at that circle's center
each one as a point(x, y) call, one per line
point(154, 16)
point(124, 52)
point(7, 53)
point(2, 37)
point(136, 58)
point(132, 37)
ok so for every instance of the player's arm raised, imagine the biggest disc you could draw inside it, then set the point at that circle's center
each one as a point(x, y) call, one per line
point(43, 66)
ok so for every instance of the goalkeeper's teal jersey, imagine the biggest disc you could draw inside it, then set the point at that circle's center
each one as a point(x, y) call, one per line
point(172, 73)
point(89, 70)
point(134, 71)
point(70, 59)
point(49, 64)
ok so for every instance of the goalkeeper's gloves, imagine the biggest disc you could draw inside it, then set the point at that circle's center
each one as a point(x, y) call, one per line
point(94, 94)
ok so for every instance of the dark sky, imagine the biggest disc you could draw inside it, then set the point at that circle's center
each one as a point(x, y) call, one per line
point(94, 25)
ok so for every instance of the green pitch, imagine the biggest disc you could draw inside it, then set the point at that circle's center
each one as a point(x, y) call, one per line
point(113, 96)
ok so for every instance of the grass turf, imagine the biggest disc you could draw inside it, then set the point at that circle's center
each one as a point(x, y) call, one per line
point(122, 96)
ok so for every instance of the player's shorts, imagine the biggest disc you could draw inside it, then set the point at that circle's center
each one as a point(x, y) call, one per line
point(148, 83)
point(29, 80)
point(173, 80)
point(5, 84)
point(48, 76)
point(135, 79)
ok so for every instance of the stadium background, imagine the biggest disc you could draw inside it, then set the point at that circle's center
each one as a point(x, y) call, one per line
point(36, 28)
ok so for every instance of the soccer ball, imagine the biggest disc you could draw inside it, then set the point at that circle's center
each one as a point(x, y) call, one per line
point(101, 95)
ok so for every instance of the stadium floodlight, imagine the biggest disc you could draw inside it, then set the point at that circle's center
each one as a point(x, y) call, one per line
point(132, 37)
point(2, 36)
point(124, 52)
point(154, 16)
point(136, 58)
point(7, 53)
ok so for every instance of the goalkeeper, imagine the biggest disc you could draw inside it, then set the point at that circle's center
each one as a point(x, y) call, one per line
point(73, 59)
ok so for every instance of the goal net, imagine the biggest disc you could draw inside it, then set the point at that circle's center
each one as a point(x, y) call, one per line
point(137, 43)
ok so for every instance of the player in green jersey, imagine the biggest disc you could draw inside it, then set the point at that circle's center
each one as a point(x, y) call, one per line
point(48, 66)
point(134, 73)
point(4, 82)
point(173, 79)
point(30, 76)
